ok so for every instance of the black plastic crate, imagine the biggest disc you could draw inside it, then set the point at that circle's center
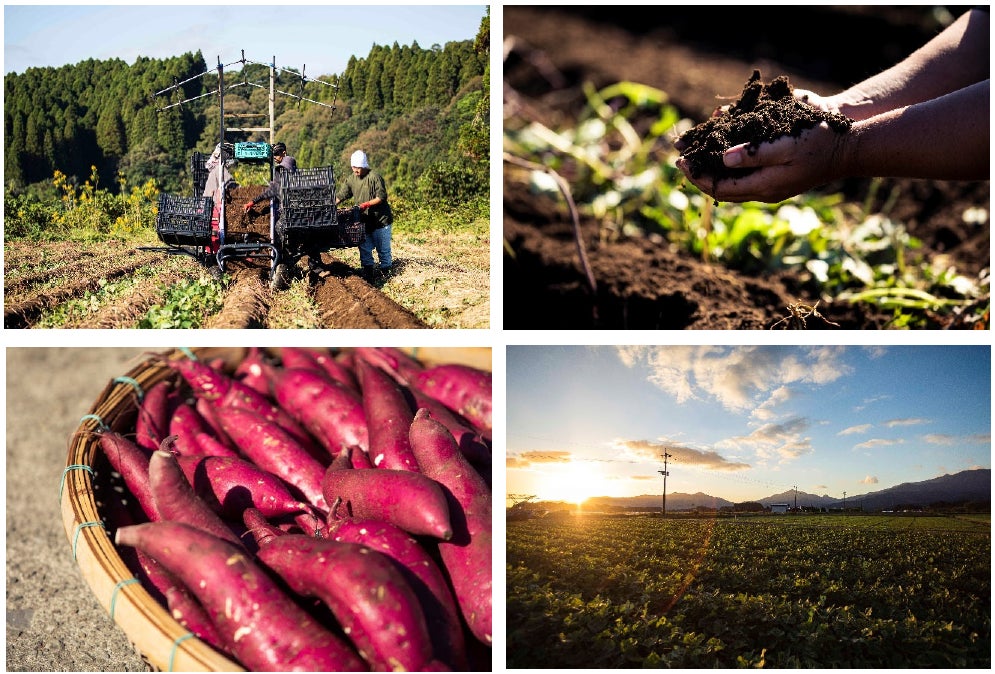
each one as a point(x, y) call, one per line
point(184, 220)
point(309, 178)
point(352, 229)
point(199, 172)
point(296, 216)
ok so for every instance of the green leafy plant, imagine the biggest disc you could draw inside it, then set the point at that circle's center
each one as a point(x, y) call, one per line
point(620, 158)
point(187, 304)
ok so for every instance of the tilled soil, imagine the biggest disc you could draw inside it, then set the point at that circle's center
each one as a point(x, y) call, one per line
point(700, 57)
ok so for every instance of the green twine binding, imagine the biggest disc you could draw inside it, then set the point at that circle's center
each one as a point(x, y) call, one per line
point(79, 528)
point(188, 353)
point(176, 644)
point(126, 581)
point(134, 384)
point(75, 466)
point(100, 422)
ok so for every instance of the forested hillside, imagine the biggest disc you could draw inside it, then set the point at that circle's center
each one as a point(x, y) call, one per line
point(420, 113)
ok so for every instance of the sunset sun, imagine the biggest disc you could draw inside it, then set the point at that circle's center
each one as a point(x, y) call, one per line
point(574, 482)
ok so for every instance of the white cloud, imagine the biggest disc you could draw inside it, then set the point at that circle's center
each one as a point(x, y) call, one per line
point(852, 430)
point(646, 450)
point(908, 421)
point(870, 479)
point(740, 378)
point(879, 442)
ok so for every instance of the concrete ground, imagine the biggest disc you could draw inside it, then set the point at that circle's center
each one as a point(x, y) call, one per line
point(54, 621)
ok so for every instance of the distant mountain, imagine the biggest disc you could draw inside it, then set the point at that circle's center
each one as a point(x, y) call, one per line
point(675, 501)
point(802, 498)
point(967, 485)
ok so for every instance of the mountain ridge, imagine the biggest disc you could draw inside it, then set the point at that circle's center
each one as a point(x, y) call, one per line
point(966, 485)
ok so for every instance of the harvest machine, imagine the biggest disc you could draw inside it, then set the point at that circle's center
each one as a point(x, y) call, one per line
point(305, 219)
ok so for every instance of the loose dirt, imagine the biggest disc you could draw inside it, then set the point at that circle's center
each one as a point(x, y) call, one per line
point(695, 55)
point(763, 113)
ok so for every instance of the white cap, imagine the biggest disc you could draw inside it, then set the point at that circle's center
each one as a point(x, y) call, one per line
point(359, 159)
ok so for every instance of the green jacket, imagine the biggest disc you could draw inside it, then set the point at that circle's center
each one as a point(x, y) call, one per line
point(364, 189)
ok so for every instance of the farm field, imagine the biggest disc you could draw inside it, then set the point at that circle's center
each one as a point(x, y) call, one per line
point(586, 591)
point(441, 280)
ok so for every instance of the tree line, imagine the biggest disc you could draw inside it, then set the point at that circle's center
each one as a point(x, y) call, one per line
point(420, 113)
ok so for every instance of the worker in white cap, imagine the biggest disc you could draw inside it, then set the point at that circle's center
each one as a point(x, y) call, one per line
point(367, 188)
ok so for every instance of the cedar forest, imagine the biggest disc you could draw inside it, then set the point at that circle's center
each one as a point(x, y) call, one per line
point(421, 114)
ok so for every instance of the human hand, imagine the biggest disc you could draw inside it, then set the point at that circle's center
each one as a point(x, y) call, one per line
point(363, 206)
point(248, 206)
point(784, 168)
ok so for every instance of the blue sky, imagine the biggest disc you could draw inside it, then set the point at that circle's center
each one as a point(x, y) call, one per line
point(322, 38)
point(743, 422)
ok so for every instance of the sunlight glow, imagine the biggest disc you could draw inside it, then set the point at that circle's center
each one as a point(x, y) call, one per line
point(573, 482)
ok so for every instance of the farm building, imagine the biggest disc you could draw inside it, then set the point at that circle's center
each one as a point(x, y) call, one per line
point(778, 508)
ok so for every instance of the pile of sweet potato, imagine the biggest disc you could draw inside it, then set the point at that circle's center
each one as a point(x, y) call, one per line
point(314, 510)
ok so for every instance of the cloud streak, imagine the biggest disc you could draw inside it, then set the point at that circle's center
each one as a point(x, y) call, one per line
point(646, 450)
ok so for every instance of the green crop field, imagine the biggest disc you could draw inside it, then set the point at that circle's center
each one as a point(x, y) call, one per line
point(773, 591)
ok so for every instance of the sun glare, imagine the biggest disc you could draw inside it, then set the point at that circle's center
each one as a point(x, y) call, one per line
point(574, 482)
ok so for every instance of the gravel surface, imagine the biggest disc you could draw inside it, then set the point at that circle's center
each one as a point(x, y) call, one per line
point(54, 621)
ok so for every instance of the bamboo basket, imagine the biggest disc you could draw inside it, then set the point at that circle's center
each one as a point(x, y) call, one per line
point(162, 641)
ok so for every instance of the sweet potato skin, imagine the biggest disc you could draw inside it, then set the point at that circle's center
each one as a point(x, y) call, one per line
point(258, 622)
point(132, 462)
point(368, 595)
point(388, 417)
point(424, 575)
point(465, 390)
point(467, 555)
point(332, 413)
point(152, 425)
point(175, 499)
point(229, 485)
point(271, 448)
point(410, 500)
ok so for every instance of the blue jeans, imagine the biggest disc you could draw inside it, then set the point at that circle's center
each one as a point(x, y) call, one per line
point(379, 239)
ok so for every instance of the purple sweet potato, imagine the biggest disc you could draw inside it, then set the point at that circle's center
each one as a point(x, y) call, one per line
point(467, 555)
point(410, 500)
point(465, 390)
point(271, 448)
point(364, 590)
point(152, 425)
point(180, 601)
point(262, 531)
point(224, 392)
point(175, 499)
point(402, 367)
point(332, 413)
point(359, 458)
point(132, 462)
point(388, 417)
point(229, 485)
point(470, 441)
point(251, 370)
point(185, 424)
point(423, 574)
point(261, 625)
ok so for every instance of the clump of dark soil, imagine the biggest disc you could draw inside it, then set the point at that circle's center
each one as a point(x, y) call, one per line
point(251, 226)
point(763, 113)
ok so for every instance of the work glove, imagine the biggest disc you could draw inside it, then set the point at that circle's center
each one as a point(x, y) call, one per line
point(365, 205)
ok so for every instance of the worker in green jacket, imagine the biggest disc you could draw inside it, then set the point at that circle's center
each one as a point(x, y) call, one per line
point(367, 188)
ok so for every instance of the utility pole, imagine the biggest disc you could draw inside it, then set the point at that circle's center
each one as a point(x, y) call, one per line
point(844, 503)
point(665, 474)
point(796, 497)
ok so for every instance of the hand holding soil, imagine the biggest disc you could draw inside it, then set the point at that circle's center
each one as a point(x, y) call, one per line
point(768, 146)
